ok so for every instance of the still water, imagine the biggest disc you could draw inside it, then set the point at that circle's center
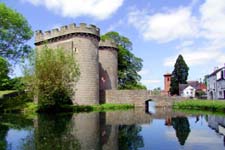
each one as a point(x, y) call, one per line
point(118, 130)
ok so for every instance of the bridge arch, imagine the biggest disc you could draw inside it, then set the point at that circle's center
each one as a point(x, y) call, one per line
point(150, 106)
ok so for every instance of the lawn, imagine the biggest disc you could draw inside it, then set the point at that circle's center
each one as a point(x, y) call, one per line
point(6, 92)
point(211, 105)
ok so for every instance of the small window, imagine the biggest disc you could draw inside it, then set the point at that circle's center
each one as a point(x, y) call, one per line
point(74, 50)
point(168, 79)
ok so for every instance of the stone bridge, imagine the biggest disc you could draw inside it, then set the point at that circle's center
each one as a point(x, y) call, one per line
point(138, 98)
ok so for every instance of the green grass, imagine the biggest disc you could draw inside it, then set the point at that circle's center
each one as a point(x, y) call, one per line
point(88, 108)
point(2, 93)
point(31, 108)
point(209, 105)
point(199, 112)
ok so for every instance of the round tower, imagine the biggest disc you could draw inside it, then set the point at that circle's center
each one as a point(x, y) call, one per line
point(108, 65)
point(82, 42)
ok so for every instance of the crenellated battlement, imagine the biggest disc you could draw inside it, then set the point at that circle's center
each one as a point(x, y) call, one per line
point(107, 44)
point(66, 31)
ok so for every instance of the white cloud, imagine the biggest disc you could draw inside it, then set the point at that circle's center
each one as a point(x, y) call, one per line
point(212, 19)
point(185, 44)
point(181, 23)
point(100, 9)
point(199, 56)
point(164, 27)
point(189, 28)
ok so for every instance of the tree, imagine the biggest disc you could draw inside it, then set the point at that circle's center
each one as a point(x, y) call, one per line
point(128, 64)
point(14, 33)
point(156, 91)
point(179, 75)
point(51, 77)
point(4, 71)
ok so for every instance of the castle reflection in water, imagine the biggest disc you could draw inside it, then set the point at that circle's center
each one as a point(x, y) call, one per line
point(118, 130)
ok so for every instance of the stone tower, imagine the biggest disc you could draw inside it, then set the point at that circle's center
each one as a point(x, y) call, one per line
point(108, 65)
point(83, 42)
point(167, 81)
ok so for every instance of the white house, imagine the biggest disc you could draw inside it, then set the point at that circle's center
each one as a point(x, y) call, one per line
point(216, 84)
point(187, 90)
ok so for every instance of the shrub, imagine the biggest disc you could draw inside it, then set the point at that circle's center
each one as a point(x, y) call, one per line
point(51, 76)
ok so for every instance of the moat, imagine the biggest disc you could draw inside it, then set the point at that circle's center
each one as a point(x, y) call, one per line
point(117, 130)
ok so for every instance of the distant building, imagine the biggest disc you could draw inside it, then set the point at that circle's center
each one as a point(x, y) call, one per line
point(186, 90)
point(216, 84)
point(191, 88)
point(167, 81)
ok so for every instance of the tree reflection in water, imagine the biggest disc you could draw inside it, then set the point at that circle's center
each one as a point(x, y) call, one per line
point(182, 127)
point(3, 133)
point(12, 121)
point(129, 138)
point(54, 132)
point(51, 132)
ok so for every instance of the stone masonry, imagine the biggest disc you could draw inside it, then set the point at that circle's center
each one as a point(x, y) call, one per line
point(98, 63)
point(83, 42)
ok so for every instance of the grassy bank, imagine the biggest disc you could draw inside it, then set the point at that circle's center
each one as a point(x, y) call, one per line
point(6, 92)
point(88, 108)
point(200, 112)
point(31, 108)
point(209, 105)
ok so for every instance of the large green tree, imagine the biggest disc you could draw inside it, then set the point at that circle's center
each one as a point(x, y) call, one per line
point(179, 75)
point(14, 33)
point(128, 64)
point(4, 71)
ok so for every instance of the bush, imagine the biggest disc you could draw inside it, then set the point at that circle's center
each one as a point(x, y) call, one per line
point(51, 76)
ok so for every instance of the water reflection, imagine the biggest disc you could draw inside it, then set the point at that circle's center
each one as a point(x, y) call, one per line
point(182, 127)
point(55, 132)
point(217, 123)
point(129, 138)
point(119, 130)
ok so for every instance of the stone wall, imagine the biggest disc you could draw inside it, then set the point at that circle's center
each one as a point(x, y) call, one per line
point(108, 65)
point(82, 42)
point(138, 98)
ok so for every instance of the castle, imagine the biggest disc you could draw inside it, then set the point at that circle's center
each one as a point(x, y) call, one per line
point(97, 59)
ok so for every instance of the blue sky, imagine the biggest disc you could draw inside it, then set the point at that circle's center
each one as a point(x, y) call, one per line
point(160, 30)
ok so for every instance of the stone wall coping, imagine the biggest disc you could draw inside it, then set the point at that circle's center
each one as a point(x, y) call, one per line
point(107, 44)
point(41, 36)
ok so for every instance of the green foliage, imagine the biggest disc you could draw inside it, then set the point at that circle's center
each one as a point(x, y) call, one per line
point(4, 71)
point(128, 64)
point(15, 102)
point(211, 105)
point(129, 138)
point(199, 93)
point(156, 91)
point(17, 84)
point(51, 76)
point(14, 33)
point(179, 75)
point(54, 132)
